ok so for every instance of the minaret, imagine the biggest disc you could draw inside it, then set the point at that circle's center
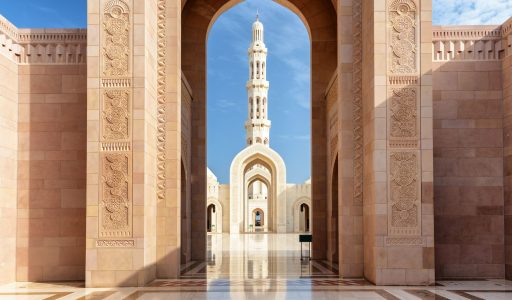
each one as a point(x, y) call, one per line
point(257, 125)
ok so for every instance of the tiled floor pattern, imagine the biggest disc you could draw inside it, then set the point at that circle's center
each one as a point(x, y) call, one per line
point(263, 289)
point(260, 266)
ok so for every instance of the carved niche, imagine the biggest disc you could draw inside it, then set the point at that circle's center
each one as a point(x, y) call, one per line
point(404, 214)
point(403, 36)
point(116, 33)
point(115, 206)
point(116, 115)
point(403, 118)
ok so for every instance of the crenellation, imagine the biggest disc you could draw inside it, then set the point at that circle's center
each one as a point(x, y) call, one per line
point(43, 46)
point(471, 43)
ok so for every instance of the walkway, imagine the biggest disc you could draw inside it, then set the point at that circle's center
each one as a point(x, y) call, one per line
point(260, 266)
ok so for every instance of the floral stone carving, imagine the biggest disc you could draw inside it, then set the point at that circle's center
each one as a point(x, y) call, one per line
point(116, 33)
point(115, 206)
point(116, 115)
point(404, 192)
point(402, 14)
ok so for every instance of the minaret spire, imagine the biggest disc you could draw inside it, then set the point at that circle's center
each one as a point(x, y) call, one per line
point(257, 125)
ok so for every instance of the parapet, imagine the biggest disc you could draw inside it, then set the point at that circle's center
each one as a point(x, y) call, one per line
point(452, 43)
point(42, 46)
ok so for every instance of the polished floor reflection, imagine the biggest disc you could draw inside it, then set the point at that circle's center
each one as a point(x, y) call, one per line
point(258, 256)
point(260, 266)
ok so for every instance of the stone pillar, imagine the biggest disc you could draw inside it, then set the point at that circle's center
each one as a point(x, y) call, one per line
point(121, 143)
point(349, 102)
point(398, 210)
point(507, 128)
point(9, 102)
point(169, 144)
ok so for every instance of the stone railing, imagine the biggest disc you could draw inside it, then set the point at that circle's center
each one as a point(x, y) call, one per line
point(451, 43)
point(42, 46)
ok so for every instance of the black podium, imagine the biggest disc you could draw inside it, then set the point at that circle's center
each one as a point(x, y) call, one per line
point(305, 238)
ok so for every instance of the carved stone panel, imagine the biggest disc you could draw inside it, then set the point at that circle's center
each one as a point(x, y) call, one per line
point(116, 204)
point(404, 38)
point(332, 111)
point(116, 39)
point(403, 110)
point(116, 115)
point(404, 204)
point(357, 102)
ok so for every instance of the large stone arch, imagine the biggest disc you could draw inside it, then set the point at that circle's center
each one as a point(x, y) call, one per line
point(277, 186)
point(320, 19)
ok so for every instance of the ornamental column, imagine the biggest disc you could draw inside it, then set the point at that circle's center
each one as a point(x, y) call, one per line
point(121, 143)
point(398, 200)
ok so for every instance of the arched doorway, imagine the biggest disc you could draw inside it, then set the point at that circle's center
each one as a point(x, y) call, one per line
point(258, 217)
point(320, 19)
point(302, 215)
point(185, 218)
point(211, 218)
point(304, 218)
point(257, 163)
point(333, 224)
point(214, 215)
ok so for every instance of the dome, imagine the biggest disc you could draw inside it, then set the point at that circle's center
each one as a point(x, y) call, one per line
point(257, 25)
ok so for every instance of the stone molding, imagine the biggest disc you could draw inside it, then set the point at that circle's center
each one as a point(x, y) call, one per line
point(452, 43)
point(42, 46)
point(161, 98)
point(357, 102)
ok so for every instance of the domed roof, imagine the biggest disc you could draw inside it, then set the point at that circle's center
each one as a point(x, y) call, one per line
point(257, 25)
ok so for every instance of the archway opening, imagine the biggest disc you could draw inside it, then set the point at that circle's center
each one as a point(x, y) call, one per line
point(304, 218)
point(201, 19)
point(211, 218)
point(334, 222)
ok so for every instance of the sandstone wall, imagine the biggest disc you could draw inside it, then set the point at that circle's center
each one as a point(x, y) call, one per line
point(507, 109)
point(51, 173)
point(468, 160)
point(8, 167)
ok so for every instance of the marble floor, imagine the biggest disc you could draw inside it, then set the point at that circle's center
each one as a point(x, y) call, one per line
point(260, 266)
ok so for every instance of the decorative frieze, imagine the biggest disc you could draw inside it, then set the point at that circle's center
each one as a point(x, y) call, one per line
point(357, 102)
point(403, 37)
point(42, 46)
point(161, 98)
point(452, 43)
point(332, 110)
point(115, 243)
point(405, 241)
point(404, 204)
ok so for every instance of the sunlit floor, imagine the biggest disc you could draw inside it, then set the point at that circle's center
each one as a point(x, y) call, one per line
point(260, 266)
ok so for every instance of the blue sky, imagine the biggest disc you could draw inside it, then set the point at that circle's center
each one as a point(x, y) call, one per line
point(288, 72)
point(288, 68)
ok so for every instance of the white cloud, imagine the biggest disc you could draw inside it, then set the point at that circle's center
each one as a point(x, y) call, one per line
point(471, 12)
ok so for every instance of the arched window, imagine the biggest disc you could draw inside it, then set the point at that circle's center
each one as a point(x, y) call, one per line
point(257, 70)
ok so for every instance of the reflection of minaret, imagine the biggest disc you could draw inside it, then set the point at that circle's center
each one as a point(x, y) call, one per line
point(257, 125)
